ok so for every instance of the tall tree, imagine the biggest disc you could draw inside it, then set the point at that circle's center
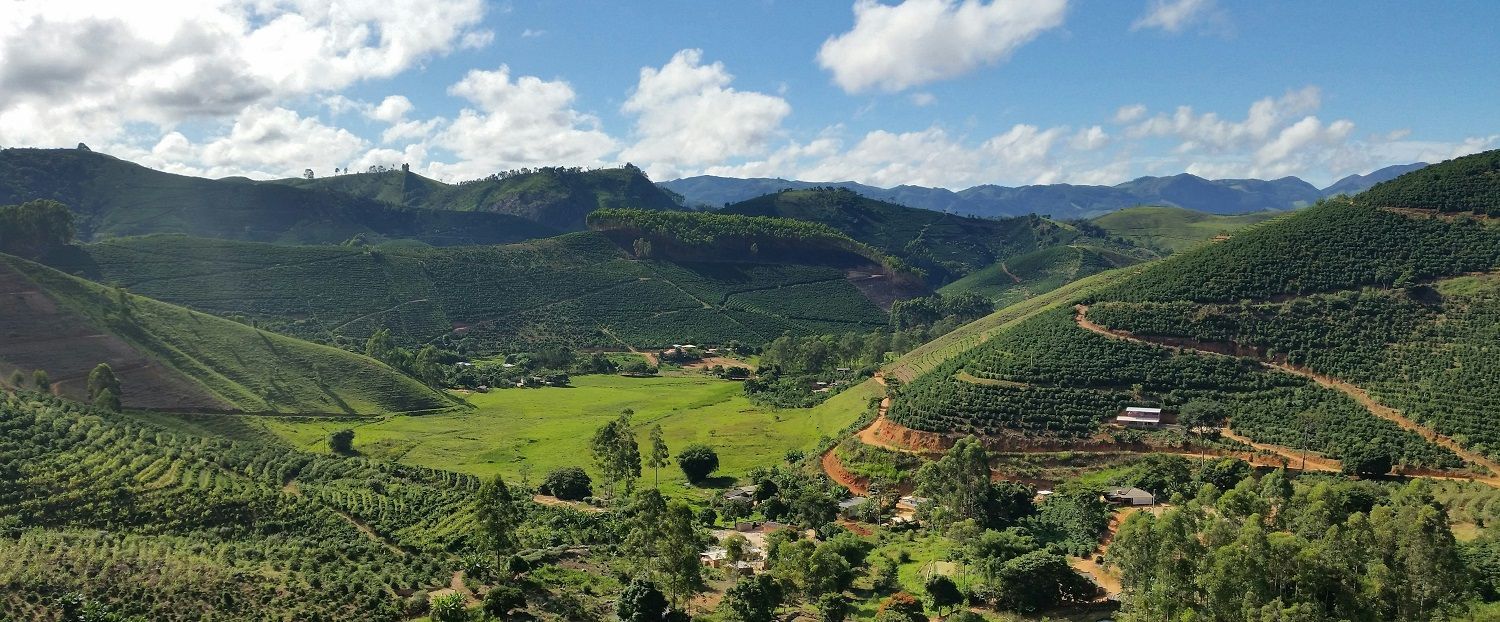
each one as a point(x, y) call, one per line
point(659, 454)
point(617, 454)
point(498, 515)
point(101, 379)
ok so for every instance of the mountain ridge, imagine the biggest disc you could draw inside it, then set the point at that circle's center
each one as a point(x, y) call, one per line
point(1218, 196)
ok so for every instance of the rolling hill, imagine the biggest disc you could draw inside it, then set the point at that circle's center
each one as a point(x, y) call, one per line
point(1031, 274)
point(580, 289)
point(1170, 229)
point(1348, 328)
point(945, 245)
point(115, 198)
point(554, 197)
point(171, 358)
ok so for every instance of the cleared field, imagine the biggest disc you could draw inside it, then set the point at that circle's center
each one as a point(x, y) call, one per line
point(1172, 229)
point(541, 429)
point(1036, 273)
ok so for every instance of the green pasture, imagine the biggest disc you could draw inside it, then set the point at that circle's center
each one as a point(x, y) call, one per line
point(511, 431)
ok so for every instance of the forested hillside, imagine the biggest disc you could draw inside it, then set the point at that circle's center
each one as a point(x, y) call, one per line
point(1468, 184)
point(579, 289)
point(114, 198)
point(1343, 292)
point(556, 197)
point(947, 246)
point(168, 357)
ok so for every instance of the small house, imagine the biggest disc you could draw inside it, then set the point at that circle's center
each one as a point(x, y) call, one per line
point(1131, 496)
point(714, 557)
point(851, 505)
point(1139, 417)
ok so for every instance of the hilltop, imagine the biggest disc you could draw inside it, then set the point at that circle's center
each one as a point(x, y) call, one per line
point(1170, 229)
point(946, 246)
point(554, 197)
point(1220, 196)
point(1353, 330)
point(168, 357)
point(115, 198)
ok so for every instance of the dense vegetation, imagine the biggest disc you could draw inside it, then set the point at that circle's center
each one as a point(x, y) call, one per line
point(34, 227)
point(1046, 377)
point(114, 198)
point(172, 358)
point(579, 289)
point(943, 245)
point(1426, 350)
point(1271, 550)
point(554, 196)
point(1332, 246)
point(725, 236)
point(169, 527)
point(1467, 184)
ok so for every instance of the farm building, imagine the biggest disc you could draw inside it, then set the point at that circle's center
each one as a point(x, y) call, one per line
point(848, 506)
point(1129, 496)
point(742, 493)
point(1139, 417)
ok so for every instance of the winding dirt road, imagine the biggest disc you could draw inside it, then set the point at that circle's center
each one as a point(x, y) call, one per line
point(1080, 316)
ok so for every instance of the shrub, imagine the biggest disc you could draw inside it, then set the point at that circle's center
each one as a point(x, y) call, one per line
point(569, 483)
point(698, 461)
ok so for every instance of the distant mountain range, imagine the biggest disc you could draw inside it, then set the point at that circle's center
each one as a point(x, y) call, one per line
point(1219, 196)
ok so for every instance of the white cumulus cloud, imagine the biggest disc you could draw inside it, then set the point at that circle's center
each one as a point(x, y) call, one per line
point(687, 115)
point(520, 122)
point(895, 47)
point(86, 71)
point(1176, 15)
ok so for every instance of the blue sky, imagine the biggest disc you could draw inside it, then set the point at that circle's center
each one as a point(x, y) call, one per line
point(934, 92)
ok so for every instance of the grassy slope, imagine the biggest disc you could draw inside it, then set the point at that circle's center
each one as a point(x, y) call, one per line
point(231, 365)
point(550, 427)
point(1172, 229)
point(114, 198)
point(570, 288)
point(966, 337)
point(1039, 272)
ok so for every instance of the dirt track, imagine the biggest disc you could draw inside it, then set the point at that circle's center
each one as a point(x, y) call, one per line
point(1359, 395)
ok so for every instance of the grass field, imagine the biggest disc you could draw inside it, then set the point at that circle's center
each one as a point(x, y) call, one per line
point(1172, 229)
point(511, 430)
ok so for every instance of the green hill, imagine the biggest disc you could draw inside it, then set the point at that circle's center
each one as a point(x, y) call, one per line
point(114, 198)
point(1468, 184)
point(1171, 229)
point(167, 526)
point(1361, 295)
point(555, 197)
point(1038, 272)
point(168, 357)
point(580, 289)
point(947, 246)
